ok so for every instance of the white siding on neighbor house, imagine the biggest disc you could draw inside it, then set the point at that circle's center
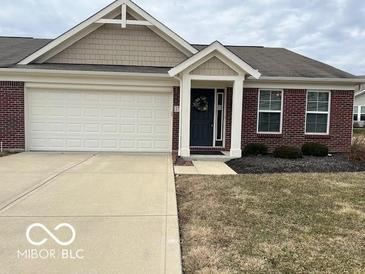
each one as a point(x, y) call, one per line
point(113, 45)
point(360, 100)
point(88, 120)
point(360, 104)
point(214, 67)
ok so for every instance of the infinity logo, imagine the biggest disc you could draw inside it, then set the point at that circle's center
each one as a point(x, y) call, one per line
point(29, 229)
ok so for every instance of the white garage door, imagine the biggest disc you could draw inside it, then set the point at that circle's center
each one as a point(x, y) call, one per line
point(68, 120)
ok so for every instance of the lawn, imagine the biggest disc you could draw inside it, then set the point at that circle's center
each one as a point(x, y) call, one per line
point(359, 132)
point(280, 223)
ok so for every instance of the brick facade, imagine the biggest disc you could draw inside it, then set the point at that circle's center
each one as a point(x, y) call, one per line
point(12, 115)
point(175, 119)
point(338, 140)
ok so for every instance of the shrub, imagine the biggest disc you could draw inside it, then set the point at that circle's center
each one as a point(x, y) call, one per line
point(315, 149)
point(287, 152)
point(255, 149)
point(357, 151)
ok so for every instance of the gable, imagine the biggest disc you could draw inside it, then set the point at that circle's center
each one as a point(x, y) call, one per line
point(214, 67)
point(113, 45)
point(360, 100)
point(124, 13)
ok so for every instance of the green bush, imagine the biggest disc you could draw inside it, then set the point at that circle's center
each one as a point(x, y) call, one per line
point(288, 152)
point(315, 149)
point(255, 149)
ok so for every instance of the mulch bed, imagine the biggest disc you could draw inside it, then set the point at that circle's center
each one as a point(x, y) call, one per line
point(269, 164)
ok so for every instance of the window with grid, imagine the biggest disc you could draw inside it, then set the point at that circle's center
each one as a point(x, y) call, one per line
point(362, 113)
point(270, 111)
point(317, 120)
point(356, 113)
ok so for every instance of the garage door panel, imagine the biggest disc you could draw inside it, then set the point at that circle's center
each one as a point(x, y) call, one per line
point(98, 121)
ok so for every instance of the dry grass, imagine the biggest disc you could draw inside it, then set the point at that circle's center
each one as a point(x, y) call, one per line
point(359, 132)
point(282, 223)
point(7, 153)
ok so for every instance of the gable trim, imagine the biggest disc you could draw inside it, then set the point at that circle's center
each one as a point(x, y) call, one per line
point(218, 47)
point(360, 93)
point(161, 30)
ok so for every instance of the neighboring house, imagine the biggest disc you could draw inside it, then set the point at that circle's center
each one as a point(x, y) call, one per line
point(359, 106)
point(122, 81)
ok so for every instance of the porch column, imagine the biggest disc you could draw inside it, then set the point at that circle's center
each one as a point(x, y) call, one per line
point(236, 130)
point(185, 116)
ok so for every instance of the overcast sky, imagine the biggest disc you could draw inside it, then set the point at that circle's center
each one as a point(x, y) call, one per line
point(332, 31)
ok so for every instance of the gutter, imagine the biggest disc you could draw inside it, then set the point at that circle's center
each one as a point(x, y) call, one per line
point(308, 80)
point(59, 72)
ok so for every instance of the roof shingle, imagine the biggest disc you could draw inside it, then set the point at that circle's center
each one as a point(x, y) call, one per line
point(275, 62)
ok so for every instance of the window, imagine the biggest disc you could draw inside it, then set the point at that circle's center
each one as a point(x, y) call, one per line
point(219, 117)
point(362, 113)
point(270, 111)
point(318, 104)
point(356, 113)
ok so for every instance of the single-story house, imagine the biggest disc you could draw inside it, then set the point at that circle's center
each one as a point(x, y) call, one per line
point(359, 106)
point(123, 81)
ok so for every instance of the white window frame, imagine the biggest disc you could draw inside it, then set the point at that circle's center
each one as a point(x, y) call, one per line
point(223, 94)
point(318, 112)
point(271, 111)
point(358, 114)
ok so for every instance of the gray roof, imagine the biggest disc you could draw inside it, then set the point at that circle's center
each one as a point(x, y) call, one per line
point(277, 62)
point(14, 49)
point(280, 62)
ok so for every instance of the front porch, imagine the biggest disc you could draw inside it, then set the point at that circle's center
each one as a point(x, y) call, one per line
point(210, 102)
point(211, 118)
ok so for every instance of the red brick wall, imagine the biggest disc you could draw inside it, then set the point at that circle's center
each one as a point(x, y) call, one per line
point(12, 115)
point(175, 120)
point(338, 140)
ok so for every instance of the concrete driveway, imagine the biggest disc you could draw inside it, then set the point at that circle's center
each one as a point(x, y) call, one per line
point(122, 209)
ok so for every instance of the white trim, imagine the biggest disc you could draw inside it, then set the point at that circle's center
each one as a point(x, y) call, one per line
point(127, 22)
point(213, 78)
point(136, 88)
point(359, 93)
point(161, 27)
point(123, 16)
point(299, 85)
point(215, 118)
point(218, 47)
point(307, 79)
point(105, 79)
point(58, 72)
point(185, 107)
point(236, 123)
point(358, 113)
point(96, 17)
point(217, 93)
point(328, 113)
point(271, 111)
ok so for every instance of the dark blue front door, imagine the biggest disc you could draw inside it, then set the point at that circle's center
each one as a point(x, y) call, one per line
point(202, 117)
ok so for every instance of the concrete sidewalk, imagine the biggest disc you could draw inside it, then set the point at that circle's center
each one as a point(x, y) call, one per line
point(122, 207)
point(205, 168)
